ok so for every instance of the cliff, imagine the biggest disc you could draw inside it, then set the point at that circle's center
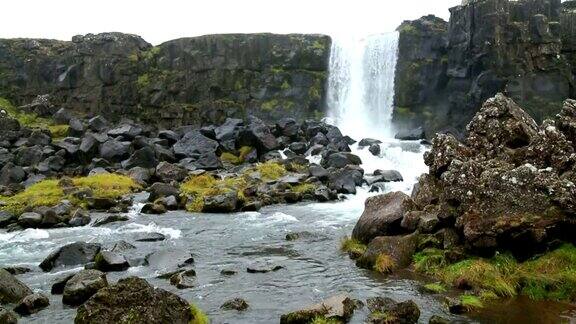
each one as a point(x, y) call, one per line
point(196, 80)
point(522, 48)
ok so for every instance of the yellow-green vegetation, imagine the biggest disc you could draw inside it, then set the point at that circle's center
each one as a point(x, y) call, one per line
point(205, 185)
point(324, 320)
point(198, 316)
point(58, 131)
point(271, 171)
point(143, 81)
point(435, 288)
point(383, 317)
point(352, 246)
point(384, 263)
point(31, 120)
point(304, 188)
point(241, 158)
point(285, 85)
point(470, 302)
point(50, 193)
point(549, 276)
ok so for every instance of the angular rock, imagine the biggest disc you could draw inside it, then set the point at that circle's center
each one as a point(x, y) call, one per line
point(12, 290)
point(82, 286)
point(223, 203)
point(238, 304)
point(167, 172)
point(108, 261)
point(71, 254)
point(7, 316)
point(194, 144)
point(144, 158)
point(32, 304)
point(340, 308)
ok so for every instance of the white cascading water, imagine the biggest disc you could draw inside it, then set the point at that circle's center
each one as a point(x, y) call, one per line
point(360, 103)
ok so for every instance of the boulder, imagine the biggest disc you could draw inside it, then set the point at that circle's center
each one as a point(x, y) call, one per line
point(110, 219)
point(136, 299)
point(337, 308)
point(194, 144)
point(72, 254)
point(287, 127)
point(238, 304)
point(80, 217)
point(374, 149)
point(144, 158)
point(32, 304)
point(159, 190)
point(127, 131)
point(208, 161)
point(12, 290)
point(108, 261)
point(345, 180)
point(62, 116)
point(98, 123)
point(10, 174)
point(30, 220)
point(154, 208)
point(229, 130)
point(257, 134)
point(7, 316)
point(82, 286)
point(382, 216)
point(399, 250)
point(340, 160)
point(413, 134)
point(151, 237)
point(386, 310)
point(388, 175)
point(59, 284)
point(183, 279)
point(168, 172)
point(114, 150)
point(222, 203)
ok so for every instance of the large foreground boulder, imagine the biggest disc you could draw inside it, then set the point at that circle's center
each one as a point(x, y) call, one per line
point(509, 185)
point(133, 300)
point(12, 290)
point(382, 216)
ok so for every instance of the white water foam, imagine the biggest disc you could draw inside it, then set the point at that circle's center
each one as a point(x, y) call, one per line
point(150, 228)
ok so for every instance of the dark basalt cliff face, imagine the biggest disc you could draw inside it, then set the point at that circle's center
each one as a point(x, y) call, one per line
point(196, 80)
point(524, 48)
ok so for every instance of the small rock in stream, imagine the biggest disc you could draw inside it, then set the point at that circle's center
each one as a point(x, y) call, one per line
point(238, 304)
point(262, 268)
point(151, 237)
point(32, 304)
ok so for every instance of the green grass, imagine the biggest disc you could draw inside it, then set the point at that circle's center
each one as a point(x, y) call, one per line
point(304, 188)
point(384, 263)
point(50, 193)
point(33, 121)
point(352, 246)
point(551, 276)
point(58, 131)
point(324, 320)
point(199, 317)
point(435, 288)
point(237, 159)
point(199, 187)
point(471, 302)
point(271, 171)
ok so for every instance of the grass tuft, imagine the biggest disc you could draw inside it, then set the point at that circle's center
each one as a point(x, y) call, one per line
point(384, 263)
point(353, 247)
point(271, 171)
point(435, 288)
point(304, 188)
point(471, 302)
point(198, 316)
point(205, 185)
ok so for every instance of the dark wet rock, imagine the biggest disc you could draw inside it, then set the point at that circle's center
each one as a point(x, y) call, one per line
point(263, 268)
point(368, 142)
point(345, 180)
point(374, 149)
point(386, 310)
point(411, 134)
point(82, 286)
point(144, 158)
point(62, 116)
point(318, 172)
point(288, 127)
point(151, 237)
point(228, 272)
point(399, 249)
point(110, 219)
point(389, 175)
point(80, 217)
point(114, 150)
point(292, 236)
point(223, 203)
point(71, 254)
point(159, 190)
point(32, 304)
point(322, 194)
point(208, 162)
point(228, 131)
point(127, 131)
point(98, 123)
point(7, 316)
point(108, 261)
point(30, 220)
point(59, 284)
point(136, 299)
point(12, 290)
point(436, 319)
point(77, 128)
point(39, 137)
point(382, 216)
point(17, 270)
point(168, 259)
point(167, 172)
point(11, 173)
point(154, 209)
point(340, 160)
point(140, 175)
point(183, 279)
point(29, 156)
point(257, 134)
point(339, 308)
point(122, 246)
point(194, 144)
point(238, 304)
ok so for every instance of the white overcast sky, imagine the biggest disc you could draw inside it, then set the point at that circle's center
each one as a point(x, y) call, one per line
point(161, 20)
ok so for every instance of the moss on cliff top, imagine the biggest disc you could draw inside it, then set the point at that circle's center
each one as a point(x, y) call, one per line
point(31, 120)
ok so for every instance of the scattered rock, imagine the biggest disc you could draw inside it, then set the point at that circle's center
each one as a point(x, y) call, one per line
point(59, 284)
point(107, 261)
point(7, 316)
point(82, 286)
point(32, 304)
point(238, 304)
point(339, 307)
point(71, 254)
point(12, 290)
point(151, 237)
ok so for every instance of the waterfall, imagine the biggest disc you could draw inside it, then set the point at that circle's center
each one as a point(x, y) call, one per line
point(361, 84)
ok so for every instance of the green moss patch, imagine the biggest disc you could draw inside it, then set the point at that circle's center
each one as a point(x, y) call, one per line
point(50, 192)
point(198, 316)
point(435, 288)
point(353, 247)
point(34, 121)
point(551, 276)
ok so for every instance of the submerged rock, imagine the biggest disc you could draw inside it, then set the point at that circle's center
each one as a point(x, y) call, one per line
point(135, 300)
point(238, 304)
point(7, 316)
point(339, 308)
point(386, 310)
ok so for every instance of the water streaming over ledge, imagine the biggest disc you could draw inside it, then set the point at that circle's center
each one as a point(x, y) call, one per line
point(361, 84)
